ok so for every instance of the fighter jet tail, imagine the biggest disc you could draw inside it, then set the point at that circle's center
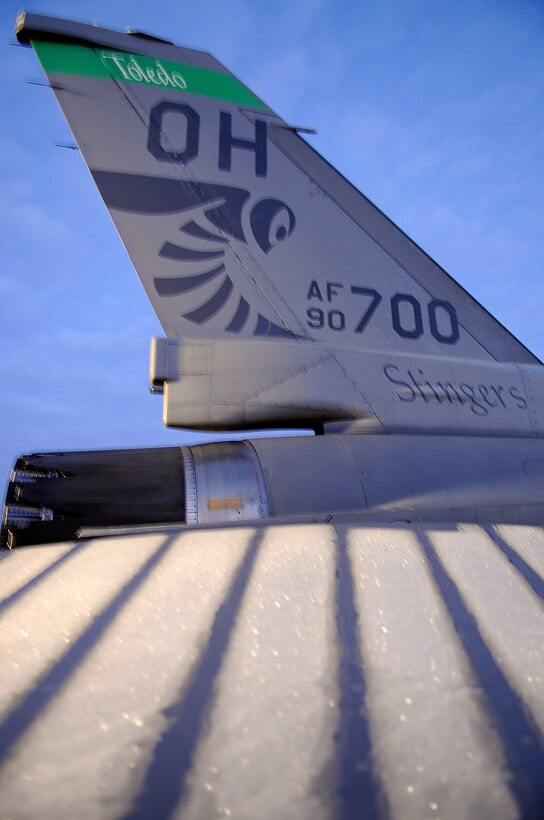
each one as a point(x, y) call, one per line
point(285, 295)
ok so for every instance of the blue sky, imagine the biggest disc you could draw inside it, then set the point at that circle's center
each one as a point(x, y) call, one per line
point(433, 108)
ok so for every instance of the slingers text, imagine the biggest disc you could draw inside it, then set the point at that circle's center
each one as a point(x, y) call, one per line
point(480, 398)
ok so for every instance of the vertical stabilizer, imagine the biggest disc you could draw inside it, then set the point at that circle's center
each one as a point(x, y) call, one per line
point(241, 232)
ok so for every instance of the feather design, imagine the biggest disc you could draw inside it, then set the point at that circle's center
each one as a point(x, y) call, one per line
point(271, 221)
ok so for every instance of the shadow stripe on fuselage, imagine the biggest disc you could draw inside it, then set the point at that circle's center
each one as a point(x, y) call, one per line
point(533, 579)
point(9, 600)
point(522, 742)
point(50, 685)
point(165, 783)
point(359, 792)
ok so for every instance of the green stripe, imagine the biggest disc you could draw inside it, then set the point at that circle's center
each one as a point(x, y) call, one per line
point(105, 64)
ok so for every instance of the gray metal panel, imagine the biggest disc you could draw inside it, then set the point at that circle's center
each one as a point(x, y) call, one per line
point(218, 384)
point(413, 477)
point(293, 671)
point(446, 473)
point(310, 475)
point(502, 345)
